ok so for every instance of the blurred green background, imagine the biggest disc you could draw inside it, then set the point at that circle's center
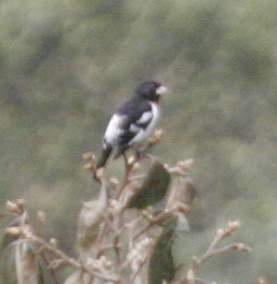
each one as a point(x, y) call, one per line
point(66, 65)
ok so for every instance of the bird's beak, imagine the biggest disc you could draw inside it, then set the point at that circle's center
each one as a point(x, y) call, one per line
point(161, 90)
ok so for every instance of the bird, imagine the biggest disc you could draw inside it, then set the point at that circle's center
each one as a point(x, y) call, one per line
point(133, 122)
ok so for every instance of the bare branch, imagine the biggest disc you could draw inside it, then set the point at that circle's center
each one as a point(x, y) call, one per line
point(190, 276)
point(114, 243)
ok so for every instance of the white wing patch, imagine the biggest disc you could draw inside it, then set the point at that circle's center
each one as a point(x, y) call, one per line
point(114, 129)
point(147, 132)
point(134, 128)
point(145, 117)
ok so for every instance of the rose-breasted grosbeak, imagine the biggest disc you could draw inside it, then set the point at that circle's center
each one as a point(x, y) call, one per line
point(134, 122)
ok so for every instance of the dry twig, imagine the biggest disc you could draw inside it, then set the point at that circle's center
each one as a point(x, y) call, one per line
point(104, 256)
point(190, 276)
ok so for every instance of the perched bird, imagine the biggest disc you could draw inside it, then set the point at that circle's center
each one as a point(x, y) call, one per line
point(134, 121)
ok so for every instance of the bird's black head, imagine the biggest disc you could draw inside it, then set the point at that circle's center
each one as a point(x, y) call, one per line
point(151, 90)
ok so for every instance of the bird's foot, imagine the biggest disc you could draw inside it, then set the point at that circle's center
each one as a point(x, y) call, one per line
point(141, 154)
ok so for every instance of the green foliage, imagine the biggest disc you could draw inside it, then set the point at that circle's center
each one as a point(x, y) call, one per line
point(66, 65)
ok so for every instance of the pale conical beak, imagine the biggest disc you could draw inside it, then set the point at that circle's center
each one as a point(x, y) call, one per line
point(161, 90)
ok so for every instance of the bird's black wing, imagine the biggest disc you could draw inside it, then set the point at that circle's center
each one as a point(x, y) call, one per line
point(138, 115)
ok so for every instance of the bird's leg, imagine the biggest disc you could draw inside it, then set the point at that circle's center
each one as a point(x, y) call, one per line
point(141, 153)
point(126, 174)
point(125, 158)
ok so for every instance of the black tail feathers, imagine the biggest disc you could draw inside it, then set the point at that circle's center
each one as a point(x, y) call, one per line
point(104, 157)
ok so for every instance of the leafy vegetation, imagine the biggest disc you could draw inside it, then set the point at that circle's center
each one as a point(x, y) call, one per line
point(65, 66)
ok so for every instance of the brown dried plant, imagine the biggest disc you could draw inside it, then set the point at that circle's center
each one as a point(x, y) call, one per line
point(125, 235)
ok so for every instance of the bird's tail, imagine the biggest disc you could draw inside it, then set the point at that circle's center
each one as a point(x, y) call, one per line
point(104, 157)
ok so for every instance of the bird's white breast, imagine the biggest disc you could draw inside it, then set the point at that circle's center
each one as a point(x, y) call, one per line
point(114, 130)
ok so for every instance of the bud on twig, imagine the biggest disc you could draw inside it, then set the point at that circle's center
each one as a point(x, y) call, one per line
point(16, 207)
point(114, 181)
point(234, 225)
point(14, 231)
point(131, 160)
point(41, 217)
point(156, 138)
point(53, 242)
point(190, 276)
point(88, 156)
point(12, 206)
